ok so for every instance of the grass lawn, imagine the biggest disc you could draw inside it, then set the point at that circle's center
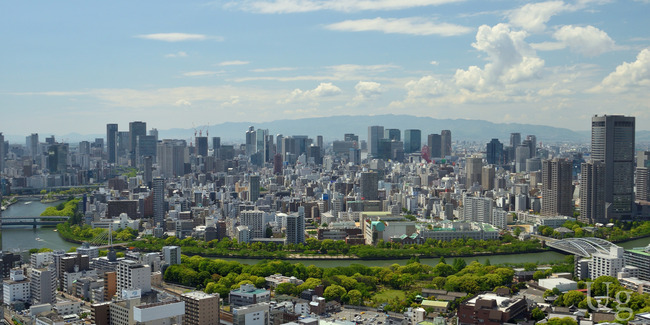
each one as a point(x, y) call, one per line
point(388, 295)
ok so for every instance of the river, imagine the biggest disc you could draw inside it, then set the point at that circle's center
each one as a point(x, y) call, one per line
point(25, 237)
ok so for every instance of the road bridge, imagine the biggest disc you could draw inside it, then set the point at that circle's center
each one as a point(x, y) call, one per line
point(33, 221)
point(584, 247)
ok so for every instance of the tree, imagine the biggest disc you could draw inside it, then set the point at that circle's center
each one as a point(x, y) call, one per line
point(286, 288)
point(573, 298)
point(334, 292)
point(459, 264)
point(355, 297)
point(537, 314)
point(562, 321)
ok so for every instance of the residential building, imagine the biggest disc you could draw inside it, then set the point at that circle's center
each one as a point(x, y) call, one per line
point(201, 308)
point(248, 294)
point(557, 188)
point(133, 275)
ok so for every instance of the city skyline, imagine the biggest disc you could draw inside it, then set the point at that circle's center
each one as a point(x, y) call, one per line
point(79, 66)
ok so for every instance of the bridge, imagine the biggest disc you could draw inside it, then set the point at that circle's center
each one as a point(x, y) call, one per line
point(584, 247)
point(33, 221)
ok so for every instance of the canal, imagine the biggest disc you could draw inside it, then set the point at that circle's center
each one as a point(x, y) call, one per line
point(25, 237)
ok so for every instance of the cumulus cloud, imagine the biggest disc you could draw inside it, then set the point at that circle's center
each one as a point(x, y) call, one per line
point(588, 41)
point(298, 6)
point(367, 89)
point(174, 37)
point(426, 87)
point(510, 59)
point(201, 73)
point(548, 46)
point(325, 89)
point(628, 75)
point(410, 26)
point(179, 54)
point(534, 16)
point(233, 62)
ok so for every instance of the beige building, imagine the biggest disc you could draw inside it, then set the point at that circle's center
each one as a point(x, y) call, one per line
point(201, 308)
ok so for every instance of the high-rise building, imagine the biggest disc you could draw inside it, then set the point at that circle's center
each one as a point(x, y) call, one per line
point(172, 156)
point(375, 133)
point(642, 184)
point(445, 143)
point(251, 141)
point(521, 154)
point(136, 129)
point(412, 140)
point(154, 133)
point(57, 158)
point(146, 146)
point(254, 219)
point(612, 143)
point(254, 188)
point(148, 170)
point(592, 193)
point(111, 142)
point(201, 308)
point(260, 137)
point(132, 275)
point(159, 202)
point(2, 153)
point(295, 229)
point(202, 146)
point(216, 144)
point(557, 188)
point(494, 151)
point(32, 145)
point(319, 141)
point(171, 254)
point(435, 145)
point(43, 285)
point(473, 170)
point(392, 134)
point(488, 174)
point(515, 139)
point(532, 145)
point(369, 186)
point(477, 209)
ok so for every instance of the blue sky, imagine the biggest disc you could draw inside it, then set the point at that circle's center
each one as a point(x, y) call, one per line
point(74, 66)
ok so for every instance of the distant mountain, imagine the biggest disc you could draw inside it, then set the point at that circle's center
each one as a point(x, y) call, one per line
point(333, 128)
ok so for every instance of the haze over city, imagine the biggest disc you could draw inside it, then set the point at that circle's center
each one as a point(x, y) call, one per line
point(77, 66)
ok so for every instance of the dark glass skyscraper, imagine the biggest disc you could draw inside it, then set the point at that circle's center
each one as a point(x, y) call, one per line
point(412, 140)
point(494, 150)
point(445, 141)
point(136, 129)
point(111, 142)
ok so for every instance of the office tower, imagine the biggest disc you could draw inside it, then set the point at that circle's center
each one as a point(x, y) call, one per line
point(557, 188)
point(412, 140)
point(148, 170)
point(532, 145)
point(277, 164)
point(295, 229)
point(171, 254)
point(319, 141)
point(533, 164)
point(384, 150)
point(159, 202)
point(132, 275)
point(136, 129)
point(354, 156)
point(521, 154)
point(445, 143)
point(477, 209)
point(612, 143)
point(643, 159)
point(260, 137)
point(254, 219)
point(488, 173)
point(269, 148)
point(352, 138)
point(642, 184)
point(201, 146)
point(515, 139)
point(494, 151)
point(2, 153)
point(592, 193)
point(84, 148)
point(473, 170)
point(315, 153)
point(57, 158)
point(154, 133)
point(278, 144)
point(392, 134)
point(251, 141)
point(111, 143)
point(216, 143)
point(146, 146)
point(254, 188)
point(200, 308)
point(369, 186)
point(43, 285)
point(375, 133)
point(122, 144)
point(172, 156)
point(435, 145)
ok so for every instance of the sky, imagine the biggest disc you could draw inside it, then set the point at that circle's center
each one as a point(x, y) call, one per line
point(74, 66)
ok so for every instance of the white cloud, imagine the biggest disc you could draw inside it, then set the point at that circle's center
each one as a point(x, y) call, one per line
point(628, 75)
point(434, 62)
point(510, 59)
point(548, 46)
point(325, 89)
point(588, 41)
point(276, 69)
point(426, 87)
point(367, 90)
point(174, 37)
point(298, 6)
point(234, 62)
point(410, 26)
point(534, 16)
point(183, 102)
point(179, 54)
point(201, 73)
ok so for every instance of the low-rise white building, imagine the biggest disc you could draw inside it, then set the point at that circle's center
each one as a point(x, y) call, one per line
point(16, 288)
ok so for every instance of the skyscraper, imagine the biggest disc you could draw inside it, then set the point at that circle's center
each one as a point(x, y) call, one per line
point(216, 144)
point(642, 184)
point(251, 141)
point(521, 154)
point(2, 153)
point(434, 143)
point(473, 169)
point(201, 146)
point(111, 142)
point(515, 139)
point(159, 202)
point(254, 188)
point(488, 173)
point(612, 143)
point(392, 134)
point(375, 133)
point(57, 158)
point(295, 229)
point(136, 129)
point(368, 184)
point(532, 145)
point(412, 140)
point(592, 193)
point(445, 142)
point(146, 146)
point(557, 190)
point(494, 150)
